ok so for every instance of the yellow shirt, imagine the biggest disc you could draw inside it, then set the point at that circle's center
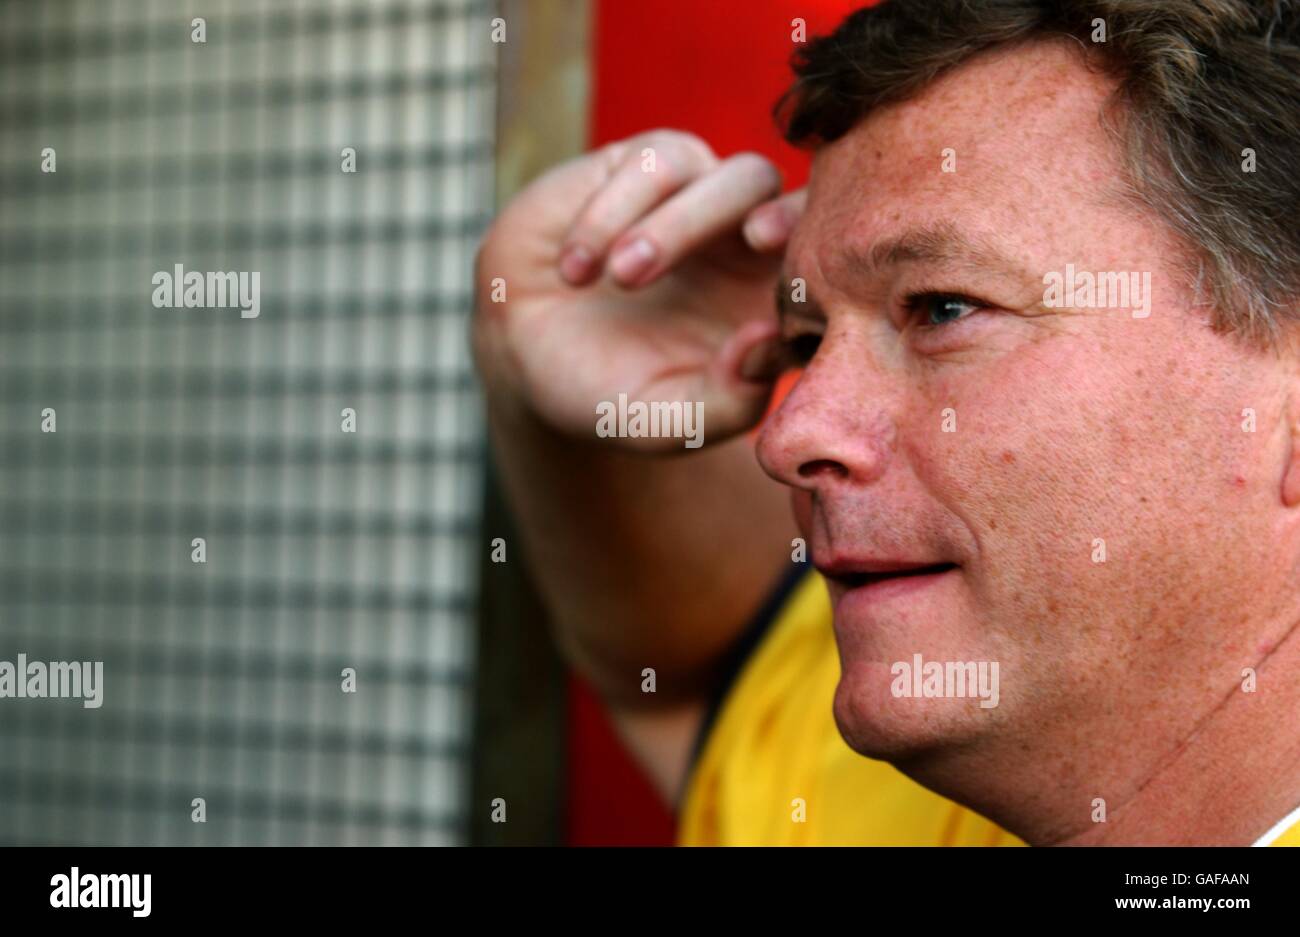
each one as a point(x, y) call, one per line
point(773, 755)
point(1290, 838)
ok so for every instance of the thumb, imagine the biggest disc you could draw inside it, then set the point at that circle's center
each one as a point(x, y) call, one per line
point(741, 377)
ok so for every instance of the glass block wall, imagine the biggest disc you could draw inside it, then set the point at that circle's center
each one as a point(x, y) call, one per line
point(321, 459)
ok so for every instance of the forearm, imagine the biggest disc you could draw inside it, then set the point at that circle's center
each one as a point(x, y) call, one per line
point(644, 560)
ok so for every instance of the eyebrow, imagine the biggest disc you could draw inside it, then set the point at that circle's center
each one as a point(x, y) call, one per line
point(938, 243)
point(941, 243)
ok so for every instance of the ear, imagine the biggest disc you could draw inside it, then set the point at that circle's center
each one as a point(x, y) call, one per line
point(1291, 479)
point(1291, 470)
point(1288, 350)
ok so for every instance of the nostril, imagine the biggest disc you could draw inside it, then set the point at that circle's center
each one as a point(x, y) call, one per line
point(822, 467)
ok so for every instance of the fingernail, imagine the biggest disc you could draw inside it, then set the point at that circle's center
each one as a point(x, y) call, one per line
point(575, 262)
point(632, 260)
point(764, 230)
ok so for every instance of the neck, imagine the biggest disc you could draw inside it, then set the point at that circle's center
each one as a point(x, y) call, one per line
point(1227, 781)
point(1232, 779)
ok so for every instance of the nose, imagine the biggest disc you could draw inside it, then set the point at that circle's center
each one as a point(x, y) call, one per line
point(834, 428)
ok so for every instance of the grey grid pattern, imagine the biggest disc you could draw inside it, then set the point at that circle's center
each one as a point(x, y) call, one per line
point(326, 550)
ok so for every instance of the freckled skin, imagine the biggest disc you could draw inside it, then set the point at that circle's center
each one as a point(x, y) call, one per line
point(1119, 679)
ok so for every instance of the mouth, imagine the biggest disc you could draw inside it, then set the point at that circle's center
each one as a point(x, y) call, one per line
point(848, 576)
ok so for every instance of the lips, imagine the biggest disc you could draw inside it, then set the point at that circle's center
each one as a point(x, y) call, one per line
point(853, 574)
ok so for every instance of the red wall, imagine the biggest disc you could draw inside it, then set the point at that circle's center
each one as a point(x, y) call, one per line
point(715, 68)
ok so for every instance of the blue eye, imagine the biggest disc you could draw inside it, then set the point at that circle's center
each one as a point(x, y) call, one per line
point(935, 309)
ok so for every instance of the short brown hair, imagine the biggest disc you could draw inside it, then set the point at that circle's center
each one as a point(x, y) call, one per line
point(1200, 81)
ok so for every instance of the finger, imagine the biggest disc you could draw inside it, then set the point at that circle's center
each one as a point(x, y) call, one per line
point(742, 375)
point(753, 353)
point(768, 226)
point(708, 207)
point(652, 168)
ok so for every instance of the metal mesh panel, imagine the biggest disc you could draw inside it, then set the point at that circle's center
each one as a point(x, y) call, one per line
point(325, 549)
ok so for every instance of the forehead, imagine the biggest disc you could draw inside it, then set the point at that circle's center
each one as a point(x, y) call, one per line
point(1034, 168)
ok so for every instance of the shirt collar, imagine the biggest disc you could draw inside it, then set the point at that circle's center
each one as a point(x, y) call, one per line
point(1290, 820)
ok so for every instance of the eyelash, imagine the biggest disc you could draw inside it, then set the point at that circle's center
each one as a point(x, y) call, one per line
point(914, 302)
point(801, 348)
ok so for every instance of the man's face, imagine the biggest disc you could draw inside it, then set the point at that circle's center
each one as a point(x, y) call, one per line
point(1017, 439)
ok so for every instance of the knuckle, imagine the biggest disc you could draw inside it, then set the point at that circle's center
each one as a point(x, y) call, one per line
point(612, 155)
point(594, 227)
point(684, 145)
point(696, 147)
point(758, 167)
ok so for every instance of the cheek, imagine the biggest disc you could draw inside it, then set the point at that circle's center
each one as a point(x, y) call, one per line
point(1084, 469)
point(1025, 446)
point(1059, 452)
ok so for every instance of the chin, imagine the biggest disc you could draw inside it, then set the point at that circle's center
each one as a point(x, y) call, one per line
point(876, 724)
